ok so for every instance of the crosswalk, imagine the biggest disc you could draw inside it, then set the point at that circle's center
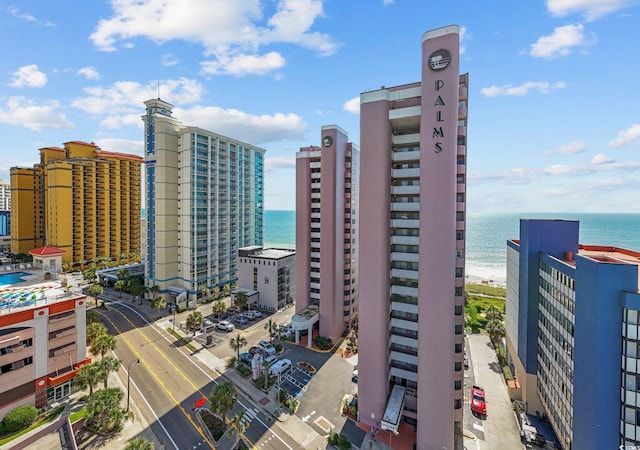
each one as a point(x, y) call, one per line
point(249, 415)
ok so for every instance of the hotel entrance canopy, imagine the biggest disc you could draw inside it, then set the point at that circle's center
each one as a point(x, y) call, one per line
point(395, 404)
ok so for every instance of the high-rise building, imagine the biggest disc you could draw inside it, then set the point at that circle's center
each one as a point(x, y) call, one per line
point(5, 197)
point(326, 230)
point(204, 200)
point(80, 199)
point(413, 141)
point(41, 349)
point(573, 343)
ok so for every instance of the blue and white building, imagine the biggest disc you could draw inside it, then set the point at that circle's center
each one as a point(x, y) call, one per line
point(572, 317)
point(204, 200)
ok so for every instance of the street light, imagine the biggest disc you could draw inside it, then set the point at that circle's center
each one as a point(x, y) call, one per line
point(137, 361)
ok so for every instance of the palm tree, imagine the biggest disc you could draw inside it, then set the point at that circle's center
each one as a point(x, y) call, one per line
point(226, 290)
point(158, 303)
point(238, 424)
point(272, 328)
point(496, 330)
point(216, 292)
point(122, 257)
point(240, 300)
point(92, 317)
point(107, 365)
point(120, 285)
point(237, 343)
point(139, 443)
point(139, 290)
point(104, 413)
point(204, 290)
point(94, 330)
point(95, 290)
point(194, 321)
point(102, 344)
point(88, 377)
point(122, 274)
point(154, 291)
point(218, 307)
point(223, 398)
point(493, 313)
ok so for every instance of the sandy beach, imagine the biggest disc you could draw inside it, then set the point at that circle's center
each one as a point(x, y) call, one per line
point(478, 275)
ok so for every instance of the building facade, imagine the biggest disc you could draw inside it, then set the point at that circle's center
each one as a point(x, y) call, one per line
point(271, 272)
point(572, 334)
point(41, 348)
point(204, 201)
point(327, 230)
point(413, 142)
point(81, 199)
point(5, 210)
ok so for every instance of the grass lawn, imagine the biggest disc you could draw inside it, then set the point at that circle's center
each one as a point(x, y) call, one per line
point(479, 298)
point(45, 419)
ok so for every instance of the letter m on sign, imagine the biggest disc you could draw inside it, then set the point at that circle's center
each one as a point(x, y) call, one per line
point(437, 132)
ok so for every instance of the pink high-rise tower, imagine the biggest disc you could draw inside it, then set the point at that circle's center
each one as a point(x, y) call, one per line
point(413, 142)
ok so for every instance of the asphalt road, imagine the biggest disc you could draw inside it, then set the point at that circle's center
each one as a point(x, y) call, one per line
point(169, 380)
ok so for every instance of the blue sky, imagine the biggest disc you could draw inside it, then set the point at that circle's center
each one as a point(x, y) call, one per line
point(553, 99)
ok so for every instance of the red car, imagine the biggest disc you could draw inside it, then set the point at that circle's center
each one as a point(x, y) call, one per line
point(478, 402)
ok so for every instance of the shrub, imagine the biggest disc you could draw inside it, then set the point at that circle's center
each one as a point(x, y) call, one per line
point(231, 361)
point(340, 441)
point(19, 418)
point(279, 347)
point(214, 424)
point(506, 370)
point(244, 370)
point(322, 342)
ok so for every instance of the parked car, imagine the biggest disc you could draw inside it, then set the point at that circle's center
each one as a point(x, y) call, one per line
point(286, 330)
point(354, 376)
point(466, 361)
point(247, 316)
point(246, 358)
point(253, 314)
point(478, 402)
point(270, 359)
point(240, 320)
point(234, 309)
point(279, 367)
point(225, 325)
point(254, 350)
point(267, 347)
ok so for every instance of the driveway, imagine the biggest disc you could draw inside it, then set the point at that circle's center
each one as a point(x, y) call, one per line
point(500, 429)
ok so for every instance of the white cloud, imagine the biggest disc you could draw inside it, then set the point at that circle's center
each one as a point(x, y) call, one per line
point(388, 2)
point(543, 87)
point(116, 122)
point(90, 73)
point(28, 76)
point(590, 9)
point(572, 148)
point(240, 65)
point(226, 30)
point(15, 13)
point(23, 112)
point(602, 159)
point(353, 105)
point(127, 97)
point(279, 162)
point(168, 60)
point(121, 145)
point(561, 42)
point(250, 128)
point(626, 137)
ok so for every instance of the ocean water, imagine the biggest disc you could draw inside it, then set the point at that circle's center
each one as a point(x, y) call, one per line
point(487, 235)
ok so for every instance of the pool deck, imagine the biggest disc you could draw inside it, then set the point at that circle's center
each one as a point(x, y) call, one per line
point(29, 293)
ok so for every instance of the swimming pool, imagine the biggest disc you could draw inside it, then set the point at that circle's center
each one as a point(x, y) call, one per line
point(12, 278)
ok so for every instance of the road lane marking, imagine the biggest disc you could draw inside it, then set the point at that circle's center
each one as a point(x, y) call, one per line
point(158, 380)
point(162, 333)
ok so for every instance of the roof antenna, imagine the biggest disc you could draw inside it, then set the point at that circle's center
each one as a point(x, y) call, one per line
point(158, 89)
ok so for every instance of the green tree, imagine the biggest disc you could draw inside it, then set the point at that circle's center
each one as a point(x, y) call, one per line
point(226, 290)
point(237, 343)
point(107, 365)
point(95, 290)
point(204, 290)
point(158, 303)
point(139, 290)
point(88, 377)
point(120, 286)
point(223, 398)
point(92, 317)
point(240, 300)
point(216, 292)
point(90, 274)
point(194, 321)
point(493, 313)
point(238, 424)
point(104, 413)
point(218, 307)
point(272, 328)
point(102, 344)
point(122, 274)
point(496, 330)
point(94, 330)
point(139, 443)
point(19, 418)
point(154, 291)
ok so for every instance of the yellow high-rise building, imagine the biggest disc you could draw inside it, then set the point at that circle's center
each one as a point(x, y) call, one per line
point(79, 198)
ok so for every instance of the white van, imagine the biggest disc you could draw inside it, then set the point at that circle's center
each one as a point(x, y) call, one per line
point(279, 367)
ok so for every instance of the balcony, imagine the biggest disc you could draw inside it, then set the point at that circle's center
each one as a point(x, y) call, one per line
point(405, 190)
point(405, 118)
point(462, 112)
point(405, 240)
point(405, 156)
point(411, 138)
point(462, 131)
point(405, 173)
